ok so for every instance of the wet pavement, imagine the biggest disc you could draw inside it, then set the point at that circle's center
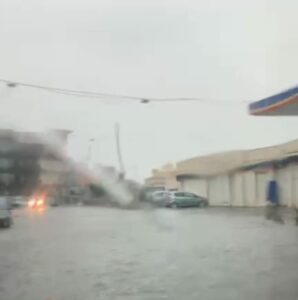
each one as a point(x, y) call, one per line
point(100, 253)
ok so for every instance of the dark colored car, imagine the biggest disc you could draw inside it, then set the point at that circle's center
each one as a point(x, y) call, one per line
point(5, 213)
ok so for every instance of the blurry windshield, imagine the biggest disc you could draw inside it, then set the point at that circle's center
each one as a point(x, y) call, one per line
point(148, 149)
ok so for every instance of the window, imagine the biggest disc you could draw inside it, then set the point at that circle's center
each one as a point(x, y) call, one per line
point(180, 194)
point(192, 195)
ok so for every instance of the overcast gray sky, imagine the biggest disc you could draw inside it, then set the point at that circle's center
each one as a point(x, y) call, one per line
point(217, 50)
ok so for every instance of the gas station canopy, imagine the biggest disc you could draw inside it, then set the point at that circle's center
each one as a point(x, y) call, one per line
point(281, 104)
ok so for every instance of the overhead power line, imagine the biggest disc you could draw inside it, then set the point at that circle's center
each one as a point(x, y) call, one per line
point(100, 95)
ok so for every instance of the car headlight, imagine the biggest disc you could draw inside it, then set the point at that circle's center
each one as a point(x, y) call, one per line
point(39, 202)
point(31, 203)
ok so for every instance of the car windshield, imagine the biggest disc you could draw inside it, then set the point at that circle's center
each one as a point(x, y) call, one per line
point(148, 149)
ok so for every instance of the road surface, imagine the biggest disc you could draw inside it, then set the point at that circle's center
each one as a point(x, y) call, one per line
point(100, 253)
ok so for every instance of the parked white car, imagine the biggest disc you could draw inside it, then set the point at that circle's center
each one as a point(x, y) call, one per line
point(159, 198)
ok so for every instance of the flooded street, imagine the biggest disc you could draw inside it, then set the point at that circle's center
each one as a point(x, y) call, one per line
point(96, 253)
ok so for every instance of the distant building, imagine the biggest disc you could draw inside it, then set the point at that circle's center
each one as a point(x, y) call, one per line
point(165, 178)
point(29, 160)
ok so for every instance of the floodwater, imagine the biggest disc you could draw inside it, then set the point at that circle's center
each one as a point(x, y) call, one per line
point(100, 253)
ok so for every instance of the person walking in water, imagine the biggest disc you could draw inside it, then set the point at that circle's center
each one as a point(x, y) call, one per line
point(272, 207)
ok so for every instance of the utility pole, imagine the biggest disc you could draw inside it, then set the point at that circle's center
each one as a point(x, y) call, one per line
point(119, 154)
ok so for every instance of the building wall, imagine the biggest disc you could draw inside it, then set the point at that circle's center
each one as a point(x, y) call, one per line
point(219, 190)
point(155, 181)
point(288, 184)
point(294, 187)
point(249, 189)
point(197, 186)
point(163, 178)
point(237, 183)
point(26, 161)
point(243, 189)
point(48, 178)
point(285, 179)
point(262, 179)
point(52, 165)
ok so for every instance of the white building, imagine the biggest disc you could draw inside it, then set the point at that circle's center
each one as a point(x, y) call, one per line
point(240, 178)
point(164, 177)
